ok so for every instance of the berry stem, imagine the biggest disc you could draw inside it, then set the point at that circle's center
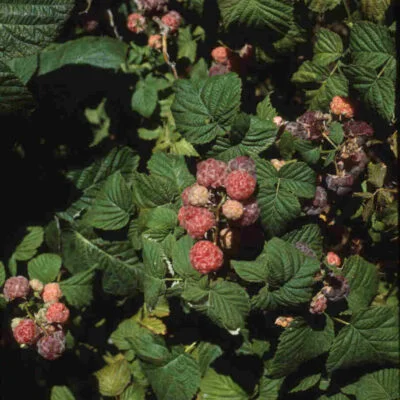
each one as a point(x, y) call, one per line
point(217, 217)
point(341, 321)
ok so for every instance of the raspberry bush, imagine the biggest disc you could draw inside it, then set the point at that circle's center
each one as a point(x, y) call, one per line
point(201, 200)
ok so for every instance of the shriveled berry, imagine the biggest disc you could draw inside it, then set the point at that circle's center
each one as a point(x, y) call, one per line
point(342, 106)
point(196, 220)
point(240, 185)
point(57, 313)
point(152, 6)
point(198, 195)
point(36, 285)
point(232, 209)
point(319, 203)
point(206, 257)
point(136, 23)
point(211, 173)
point(340, 184)
point(251, 212)
point(155, 42)
point(221, 54)
point(52, 293)
point(333, 259)
point(357, 128)
point(16, 287)
point(243, 163)
point(52, 346)
point(314, 123)
point(26, 332)
point(318, 304)
point(172, 19)
point(337, 289)
point(296, 129)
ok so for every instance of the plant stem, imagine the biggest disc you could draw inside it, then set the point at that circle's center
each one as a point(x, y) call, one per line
point(330, 141)
point(217, 215)
point(341, 321)
point(346, 6)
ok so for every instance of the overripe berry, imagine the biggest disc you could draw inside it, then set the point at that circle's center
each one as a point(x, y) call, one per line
point(284, 322)
point(297, 129)
point(206, 257)
point(136, 23)
point(333, 259)
point(36, 285)
point(52, 293)
point(211, 173)
point(173, 20)
point(26, 332)
point(318, 304)
point(342, 106)
point(243, 163)
point(240, 185)
point(196, 220)
point(357, 128)
point(337, 289)
point(314, 123)
point(251, 212)
point(155, 42)
point(152, 6)
point(52, 346)
point(319, 203)
point(16, 287)
point(198, 195)
point(57, 313)
point(232, 209)
point(340, 184)
point(221, 54)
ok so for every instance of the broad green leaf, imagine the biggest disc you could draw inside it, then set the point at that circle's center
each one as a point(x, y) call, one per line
point(30, 244)
point(44, 267)
point(310, 73)
point(321, 6)
point(265, 110)
point(182, 374)
point(300, 343)
point(309, 234)
point(204, 109)
point(328, 47)
point(205, 353)
point(259, 14)
point(375, 9)
point(134, 392)
point(215, 386)
point(307, 150)
point(252, 271)
point(2, 273)
point(180, 258)
point(371, 337)
point(113, 378)
point(336, 133)
point(160, 223)
point(269, 389)
point(187, 47)
point(306, 383)
point(144, 99)
point(286, 146)
point(112, 206)
point(61, 393)
point(377, 174)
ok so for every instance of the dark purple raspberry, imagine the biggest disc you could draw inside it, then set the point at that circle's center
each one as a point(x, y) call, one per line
point(243, 163)
point(319, 202)
point(251, 212)
point(357, 128)
point(340, 184)
point(296, 129)
point(338, 288)
point(52, 346)
point(313, 122)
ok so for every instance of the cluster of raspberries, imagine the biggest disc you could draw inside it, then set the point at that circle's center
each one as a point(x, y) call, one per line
point(138, 22)
point(221, 197)
point(44, 328)
point(225, 60)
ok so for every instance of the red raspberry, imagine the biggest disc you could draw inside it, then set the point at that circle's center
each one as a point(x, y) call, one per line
point(221, 54)
point(318, 304)
point(198, 195)
point(52, 293)
point(240, 185)
point(243, 163)
point(155, 42)
point(136, 23)
point(342, 106)
point(251, 212)
point(173, 20)
point(211, 173)
point(206, 257)
point(232, 209)
point(58, 313)
point(333, 259)
point(151, 6)
point(26, 332)
point(196, 220)
point(16, 287)
point(52, 346)
point(278, 121)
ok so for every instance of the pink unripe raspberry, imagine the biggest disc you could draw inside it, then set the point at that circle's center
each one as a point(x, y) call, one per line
point(221, 54)
point(57, 313)
point(198, 195)
point(196, 220)
point(251, 212)
point(240, 185)
point(173, 20)
point(52, 346)
point(243, 163)
point(26, 332)
point(278, 164)
point(318, 304)
point(232, 209)
point(155, 42)
point(16, 287)
point(342, 106)
point(52, 293)
point(136, 23)
point(278, 121)
point(333, 259)
point(36, 285)
point(206, 257)
point(211, 173)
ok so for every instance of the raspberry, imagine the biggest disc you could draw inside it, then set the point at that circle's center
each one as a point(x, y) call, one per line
point(26, 332)
point(240, 185)
point(318, 304)
point(36, 285)
point(340, 184)
point(284, 322)
point(357, 128)
point(278, 121)
point(232, 209)
point(251, 212)
point(152, 6)
point(173, 20)
point(319, 202)
point(229, 239)
point(136, 23)
point(198, 195)
point(58, 313)
point(155, 42)
point(196, 220)
point(333, 259)
point(314, 123)
point(52, 293)
point(297, 129)
point(342, 106)
point(16, 287)
point(185, 196)
point(52, 346)
point(219, 69)
point(278, 164)
point(211, 173)
point(221, 54)
point(206, 257)
point(337, 289)
point(243, 163)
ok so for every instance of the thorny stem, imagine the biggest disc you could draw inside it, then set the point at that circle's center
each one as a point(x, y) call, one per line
point(341, 321)
point(112, 24)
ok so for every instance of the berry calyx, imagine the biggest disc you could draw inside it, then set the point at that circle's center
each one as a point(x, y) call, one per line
point(52, 293)
point(232, 209)
point(196, 220)
point(342, 106)
point(240, 185)
point(136, 23)
point(206, 257)
point(16, 287)
point(57, 313)
point(26, 331)
point(211, 173)
point(52, 346)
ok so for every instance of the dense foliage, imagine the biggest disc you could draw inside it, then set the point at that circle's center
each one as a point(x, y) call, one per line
point(201, 200)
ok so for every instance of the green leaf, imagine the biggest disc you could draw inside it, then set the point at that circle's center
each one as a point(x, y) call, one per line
point(375, 9)
point(205, 353)
point(269, 389)
point(377, 174)
point(257, 14)
point(265, 110)
point(182, 374)
point(205, 109)
point(252, 271)
point(160, 223)
point(321, 6)
point(300, 343)
point(336, 133)
point(114, 378)
point(220, 387)
point(112, 205)
point(286, 145)
point(2, 273)
point(61, 393)
point(30, 244)
point(309, 234)
point(187, 47)
point(372, 337)
point(145, 98)
point(328, 47)
point(134, 392)
point(180, 258)
point(308, 152)
point(44, 267)
point(293, 37)
point(306, 383)
point(78, 290)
